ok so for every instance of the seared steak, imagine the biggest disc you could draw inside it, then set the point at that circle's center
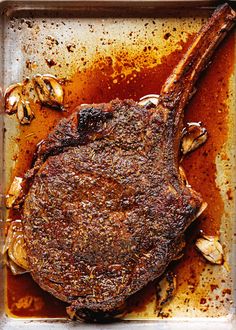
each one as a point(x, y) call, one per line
point(107, 208)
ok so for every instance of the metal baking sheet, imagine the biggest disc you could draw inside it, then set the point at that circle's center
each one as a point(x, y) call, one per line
point(28, 31)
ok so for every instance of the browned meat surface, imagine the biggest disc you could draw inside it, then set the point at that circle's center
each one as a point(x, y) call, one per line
point(107, 209)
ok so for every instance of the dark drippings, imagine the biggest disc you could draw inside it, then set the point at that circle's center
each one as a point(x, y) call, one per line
point(25, 298)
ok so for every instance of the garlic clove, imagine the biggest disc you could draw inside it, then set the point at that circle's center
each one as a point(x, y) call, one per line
point(24, 113)
point(211, 249)
point(13, 95)
point(150, 100)
point(49, 90)
point(14, 192)
point(193, 136)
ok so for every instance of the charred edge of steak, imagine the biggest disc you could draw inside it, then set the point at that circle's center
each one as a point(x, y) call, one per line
point(86, 124)
point(91, 120)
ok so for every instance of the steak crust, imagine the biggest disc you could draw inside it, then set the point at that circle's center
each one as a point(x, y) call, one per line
point(104, 217)
point(107, 208)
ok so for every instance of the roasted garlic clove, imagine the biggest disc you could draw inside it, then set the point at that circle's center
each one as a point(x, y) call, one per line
point(28, 90)
point(150, 100)
point(24, 112)
point(202, 209)
point(84, 315)
point(185, 181)
point(15, 247)
point(211, 249)
point(49, 90)
point(193, 136)
point(166, 289)
point(14, 192)
point(17, 252)
point(15, 102)
point(15, 269)
point(13, 95)
point(183, 176)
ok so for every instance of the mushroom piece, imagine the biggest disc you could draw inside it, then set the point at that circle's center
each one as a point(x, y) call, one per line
point(24, 112)
point(193, 135)
point(14, 192)
point(49, 91)
point(149, 101)
point(211, 249)
point(15, 248)
point(13, 95)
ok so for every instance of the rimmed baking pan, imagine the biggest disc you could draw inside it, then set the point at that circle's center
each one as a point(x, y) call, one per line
point(125, 49)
